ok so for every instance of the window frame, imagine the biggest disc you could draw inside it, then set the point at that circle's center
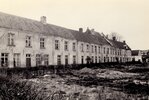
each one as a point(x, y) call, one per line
point(28, 41)
point(66, 46)
point(42, 43)
point(16, 59)
point(11, 40)
point(74, 46)
point(57, 45)
point(5, 59)
point(46, 59)
point(38, 59)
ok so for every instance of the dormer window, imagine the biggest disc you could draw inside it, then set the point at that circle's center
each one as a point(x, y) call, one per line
point(11, 39)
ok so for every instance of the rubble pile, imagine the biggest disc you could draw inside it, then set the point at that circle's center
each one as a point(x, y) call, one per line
point(53, 86)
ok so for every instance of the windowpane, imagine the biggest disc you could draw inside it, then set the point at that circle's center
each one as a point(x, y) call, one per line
point(66, 60)
point(74, 59)
point(4, 59)
point(59, 60)
point(38, 59)
point(46, 60)
point(57, 45)
point(74, 46)
point(10, 39)
point(28, 41)
point(82, 48)
point(66, 45)
point(42, 43)
point(16, 60)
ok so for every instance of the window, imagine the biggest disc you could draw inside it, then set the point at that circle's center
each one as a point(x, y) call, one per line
point(46, 60)
point(57, 45)
point(87, 48)
point(99, 59)
point(111, 50)
point(107, 59)
point(82, 49)
point(92, 59)
point(99, 49)
point(66, 46)
point(107, 50)
point(82, 59)
point(38, 59)
point(92, 49)
point(104, 50)
point(74, 59)
point(120, 52)
point(4, 59)
point(95, 59)
point(95, 49)
point(10, 39)
point(42, 43)
point(28, 41)
point(74, 46)
point(59, 60)
point(104, 59)
point(16, 60)
point(66, 59)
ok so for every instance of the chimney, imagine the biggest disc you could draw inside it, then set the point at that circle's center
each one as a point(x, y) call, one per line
point(81, 30)
point(124, 41)
point(43, 19)
point(114, 38)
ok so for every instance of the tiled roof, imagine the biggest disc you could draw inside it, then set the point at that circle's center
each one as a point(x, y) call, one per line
point(20, 23)
point(24, 24)
point(120, 45)
point(134, 52)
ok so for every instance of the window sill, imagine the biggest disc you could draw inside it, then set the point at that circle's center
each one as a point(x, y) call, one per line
point(28, 46)
point(42, 48)
point(57, 49)
point(11, 45)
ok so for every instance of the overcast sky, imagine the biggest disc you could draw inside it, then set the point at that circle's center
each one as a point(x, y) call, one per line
point(129, 18)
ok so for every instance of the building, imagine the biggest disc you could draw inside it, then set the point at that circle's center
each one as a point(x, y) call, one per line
point(137, 54)
point(25, 43)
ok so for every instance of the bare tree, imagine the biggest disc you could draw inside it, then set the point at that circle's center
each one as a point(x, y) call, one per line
point(117, 36)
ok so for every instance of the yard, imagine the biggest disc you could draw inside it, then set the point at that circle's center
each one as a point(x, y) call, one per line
point(125, 83)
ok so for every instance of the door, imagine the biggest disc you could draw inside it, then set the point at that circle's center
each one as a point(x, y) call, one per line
point(28, 60)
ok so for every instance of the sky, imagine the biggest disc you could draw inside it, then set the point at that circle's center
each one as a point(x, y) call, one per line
point(128, 18)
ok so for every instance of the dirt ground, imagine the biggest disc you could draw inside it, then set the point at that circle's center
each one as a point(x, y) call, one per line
point(86, 84)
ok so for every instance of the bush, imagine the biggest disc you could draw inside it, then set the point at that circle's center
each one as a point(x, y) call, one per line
point(15, 90)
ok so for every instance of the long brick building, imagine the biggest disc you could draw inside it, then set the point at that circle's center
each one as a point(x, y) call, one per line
point(25, 42)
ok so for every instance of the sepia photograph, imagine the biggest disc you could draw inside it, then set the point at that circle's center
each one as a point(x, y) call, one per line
point(74, 50)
